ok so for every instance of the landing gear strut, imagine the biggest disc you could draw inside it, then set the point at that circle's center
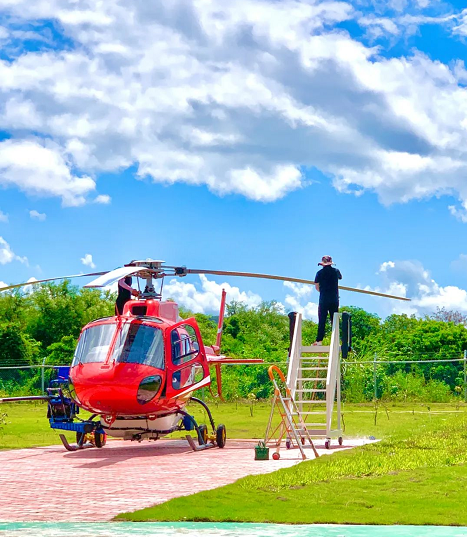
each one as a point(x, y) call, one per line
point(218, 436)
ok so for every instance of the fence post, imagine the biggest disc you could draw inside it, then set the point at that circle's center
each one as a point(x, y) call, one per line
point(465, 376)
point(375, 357)
point(43, 376)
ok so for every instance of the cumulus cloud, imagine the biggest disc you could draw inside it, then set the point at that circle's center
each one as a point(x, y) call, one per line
point(87, 260)
point(242, 97)
point(205, 297)
point(35, 215)
point(27, 289)
point(104, 199)
point(3, 217)
point(410, 279)
point(7, 255)
point(41, 169)
point(296, 300)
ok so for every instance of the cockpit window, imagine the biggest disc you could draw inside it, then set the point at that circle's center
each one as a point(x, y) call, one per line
point(94, 343)
point(140, 344)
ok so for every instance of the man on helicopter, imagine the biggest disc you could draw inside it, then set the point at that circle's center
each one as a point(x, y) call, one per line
point(125, 291)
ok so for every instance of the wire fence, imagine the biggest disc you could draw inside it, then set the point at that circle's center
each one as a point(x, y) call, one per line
point(347, 365)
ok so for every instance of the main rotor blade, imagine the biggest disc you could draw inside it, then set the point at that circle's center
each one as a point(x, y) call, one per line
point(287, 279)
point(108, 278)
point(51, 280)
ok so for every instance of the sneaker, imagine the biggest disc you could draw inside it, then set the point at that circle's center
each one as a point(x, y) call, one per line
point(318, 343)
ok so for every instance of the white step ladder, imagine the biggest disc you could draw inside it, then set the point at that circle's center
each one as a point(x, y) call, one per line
point(314, 381)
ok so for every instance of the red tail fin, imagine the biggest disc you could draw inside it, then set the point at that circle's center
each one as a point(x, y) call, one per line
point(220, 324)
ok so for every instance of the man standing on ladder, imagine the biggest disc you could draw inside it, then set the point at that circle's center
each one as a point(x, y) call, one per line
point(326, 282)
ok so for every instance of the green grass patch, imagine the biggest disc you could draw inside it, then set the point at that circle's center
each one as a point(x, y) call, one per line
point(26, 423)
point(415, 476)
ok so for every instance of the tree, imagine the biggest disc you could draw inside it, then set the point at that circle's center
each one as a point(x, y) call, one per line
point(449, 316)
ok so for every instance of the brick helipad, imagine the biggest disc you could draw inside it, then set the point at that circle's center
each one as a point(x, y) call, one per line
point(51, 484)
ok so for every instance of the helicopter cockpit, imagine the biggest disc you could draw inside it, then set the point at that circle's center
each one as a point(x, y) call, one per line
point(135, 343)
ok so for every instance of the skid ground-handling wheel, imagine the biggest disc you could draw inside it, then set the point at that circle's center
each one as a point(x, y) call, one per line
point(327, 443)
point(221, 436)
point(203, 434)
point(100, 439)
point(340, 440)
point(97, 439)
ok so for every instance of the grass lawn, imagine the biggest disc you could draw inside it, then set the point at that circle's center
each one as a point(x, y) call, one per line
point(416, 475)
point(26, 423)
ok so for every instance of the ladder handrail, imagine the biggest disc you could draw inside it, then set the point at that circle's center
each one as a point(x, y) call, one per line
point(295, 352)
point(331, 379)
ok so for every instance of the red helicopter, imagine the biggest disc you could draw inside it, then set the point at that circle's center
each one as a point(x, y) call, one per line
point(135, 372)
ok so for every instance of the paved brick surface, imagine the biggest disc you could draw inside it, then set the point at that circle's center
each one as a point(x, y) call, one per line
point(51, 484)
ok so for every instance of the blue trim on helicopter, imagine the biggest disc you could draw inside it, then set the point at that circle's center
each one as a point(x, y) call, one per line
point(78, 427)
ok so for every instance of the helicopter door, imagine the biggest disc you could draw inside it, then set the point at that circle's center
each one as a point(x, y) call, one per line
point(188, 362)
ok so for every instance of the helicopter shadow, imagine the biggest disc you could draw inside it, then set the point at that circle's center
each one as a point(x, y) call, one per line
point(110, 455)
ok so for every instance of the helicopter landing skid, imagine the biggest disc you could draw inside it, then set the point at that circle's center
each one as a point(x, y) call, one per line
point(76, 447)
point(194, 447)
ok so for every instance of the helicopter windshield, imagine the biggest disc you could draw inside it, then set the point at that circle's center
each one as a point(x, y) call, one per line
point(94, 343)
point(140, 344)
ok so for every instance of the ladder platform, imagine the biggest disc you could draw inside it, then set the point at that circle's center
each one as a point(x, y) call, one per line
point(311, 390)
point(318, 349)
point(323, 379)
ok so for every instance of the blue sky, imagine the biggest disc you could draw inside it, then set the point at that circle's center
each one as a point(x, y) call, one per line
point(254, 137)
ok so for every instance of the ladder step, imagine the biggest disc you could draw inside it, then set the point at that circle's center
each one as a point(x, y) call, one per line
point(307, 413)
point(317, 432)
point(314, 359)
point(316, 368)
point(321, 424)
point(312, 401)
point(311, 390)
point(313, 378)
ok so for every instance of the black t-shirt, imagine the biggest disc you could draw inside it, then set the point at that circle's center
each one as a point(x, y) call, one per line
point(328, 278)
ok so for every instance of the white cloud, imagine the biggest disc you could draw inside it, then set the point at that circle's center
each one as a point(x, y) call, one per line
point(87, 260)
point(459, 212)
point(3, 217)
point(103, 199)
point(242, 97)
point(207, 299)
point(35, 215)
point(3, 284)
point(41, 170)
point(7, 255)
point(297, 300)
point(410, 279)
point(27, 289)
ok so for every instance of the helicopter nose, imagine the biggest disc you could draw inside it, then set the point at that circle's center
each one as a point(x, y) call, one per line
point(116, 389)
